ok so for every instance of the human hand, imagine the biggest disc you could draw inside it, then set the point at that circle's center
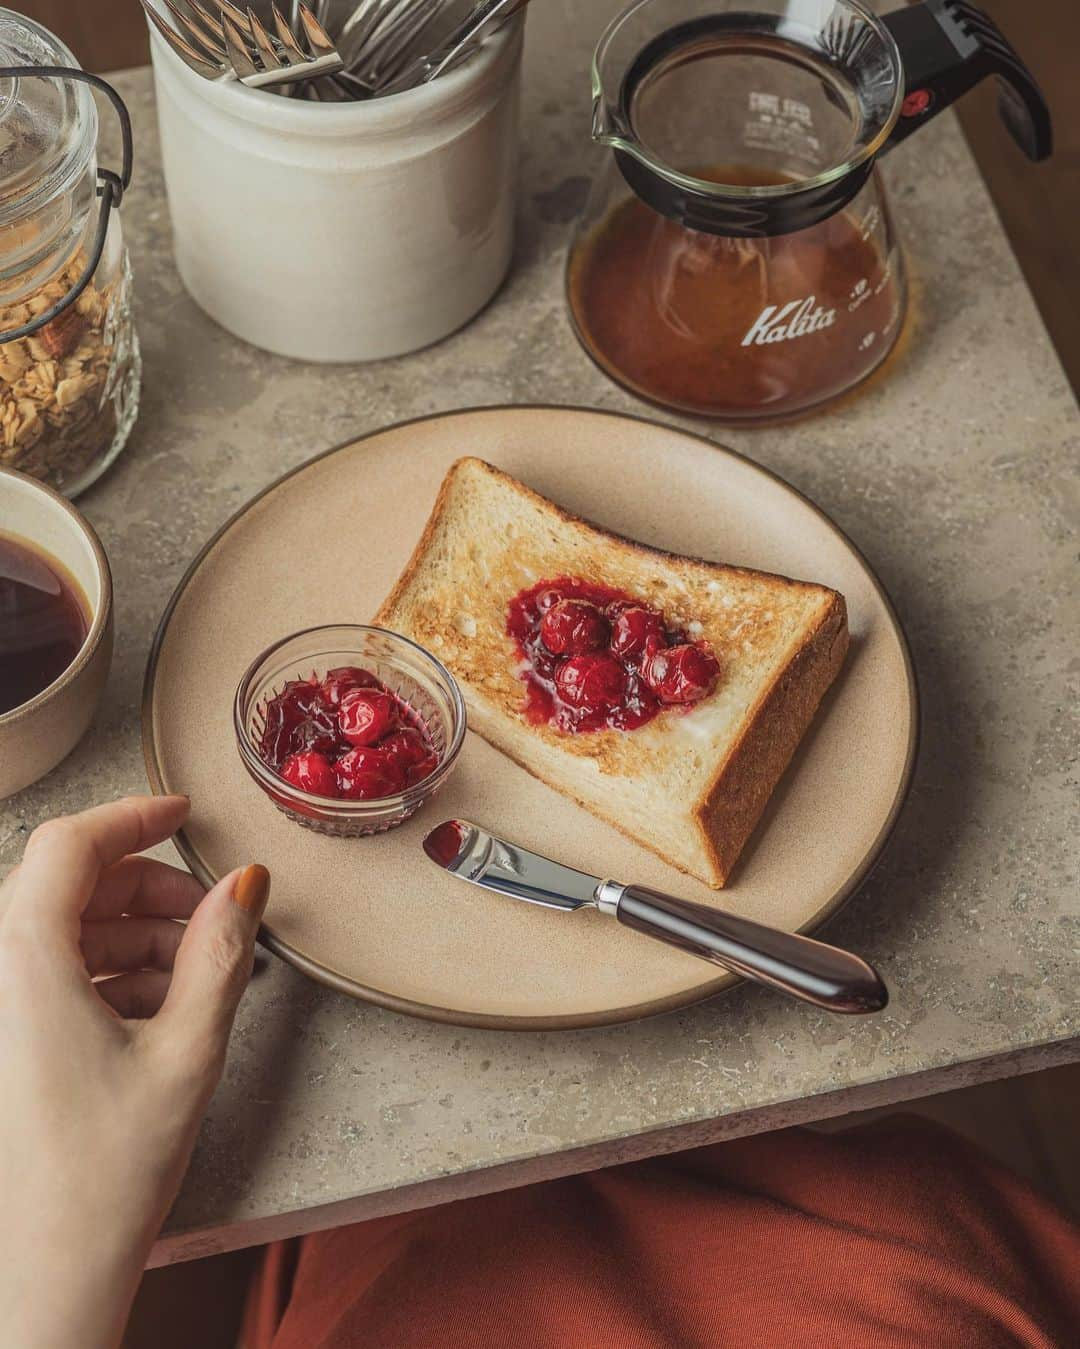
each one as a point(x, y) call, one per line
point(103, 1082)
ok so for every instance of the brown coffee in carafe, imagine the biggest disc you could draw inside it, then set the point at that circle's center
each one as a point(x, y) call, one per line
point(735, 328)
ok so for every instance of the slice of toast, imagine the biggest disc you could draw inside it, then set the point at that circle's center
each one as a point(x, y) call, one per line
point(690, 785)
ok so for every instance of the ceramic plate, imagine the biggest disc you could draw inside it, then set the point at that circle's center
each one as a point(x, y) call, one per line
point(372, 917)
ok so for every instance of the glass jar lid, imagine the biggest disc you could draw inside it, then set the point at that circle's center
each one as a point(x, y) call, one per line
point(48, 134)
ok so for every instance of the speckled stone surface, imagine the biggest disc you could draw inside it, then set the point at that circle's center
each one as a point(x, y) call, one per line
point(957, 475)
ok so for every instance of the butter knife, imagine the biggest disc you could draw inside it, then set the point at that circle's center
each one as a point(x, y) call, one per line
point(813, 971)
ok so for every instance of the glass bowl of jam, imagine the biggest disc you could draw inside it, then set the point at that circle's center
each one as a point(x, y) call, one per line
point(348, 729)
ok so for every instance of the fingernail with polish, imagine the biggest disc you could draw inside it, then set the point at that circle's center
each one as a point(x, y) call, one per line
point(253, 889)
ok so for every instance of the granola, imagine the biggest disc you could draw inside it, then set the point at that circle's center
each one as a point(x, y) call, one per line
point(57, 415)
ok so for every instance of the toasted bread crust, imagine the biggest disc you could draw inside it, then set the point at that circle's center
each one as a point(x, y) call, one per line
point(744, 783)
point(469, 461)
point(423, 543)
point(805, 657)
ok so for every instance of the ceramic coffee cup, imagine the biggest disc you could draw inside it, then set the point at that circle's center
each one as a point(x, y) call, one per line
point(36, 735)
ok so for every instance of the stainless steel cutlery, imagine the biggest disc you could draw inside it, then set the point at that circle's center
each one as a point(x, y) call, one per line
point(373, 51)
point(237, 46)
point(458, 45)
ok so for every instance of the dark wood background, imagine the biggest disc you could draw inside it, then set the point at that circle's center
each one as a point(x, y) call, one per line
point(1039, 204)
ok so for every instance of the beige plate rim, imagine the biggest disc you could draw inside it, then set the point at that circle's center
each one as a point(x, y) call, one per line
point(611, 1016)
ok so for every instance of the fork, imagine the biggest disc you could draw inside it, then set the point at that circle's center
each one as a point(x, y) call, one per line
point(238, 47)
point(375, 43)
point(375, 38)
point(477, 25)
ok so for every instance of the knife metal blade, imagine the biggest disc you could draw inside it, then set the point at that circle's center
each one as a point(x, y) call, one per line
point(467, 851)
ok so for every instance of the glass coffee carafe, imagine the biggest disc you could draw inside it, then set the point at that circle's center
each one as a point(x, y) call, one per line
point(736, 258)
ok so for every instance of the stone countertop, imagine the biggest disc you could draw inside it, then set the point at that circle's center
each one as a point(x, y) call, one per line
point(956, 475)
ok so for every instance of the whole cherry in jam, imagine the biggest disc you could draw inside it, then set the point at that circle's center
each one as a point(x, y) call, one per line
point(311, 772)
point(368, 772)
point(345, 679)
point(681, 674)
point(367, 716)
point(345, 735)
point(633, 629)
point(572, 627)
point(299, 718)
point(596, 658)
point(411, 750)
point(593, 683)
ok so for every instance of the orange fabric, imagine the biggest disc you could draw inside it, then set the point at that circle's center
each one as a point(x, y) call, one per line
point(895, 1236)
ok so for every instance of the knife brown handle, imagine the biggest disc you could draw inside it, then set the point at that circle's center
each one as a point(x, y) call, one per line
point(826, 976)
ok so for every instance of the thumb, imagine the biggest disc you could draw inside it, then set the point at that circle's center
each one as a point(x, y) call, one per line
point(213, 965)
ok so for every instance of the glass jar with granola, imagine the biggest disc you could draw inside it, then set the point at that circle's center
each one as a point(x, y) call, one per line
point(69, 356)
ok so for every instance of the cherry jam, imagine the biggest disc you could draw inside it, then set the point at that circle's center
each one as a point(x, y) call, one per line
point(345, 735)
point(597, 659)
point(43, 622)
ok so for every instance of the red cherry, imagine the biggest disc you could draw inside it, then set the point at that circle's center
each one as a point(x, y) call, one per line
point(296, 720)
point(415, 754)
point(366, 715)
point(342, 680)
point(301, 695)
point(632, 630)
point(572, 627)
point(424, 769)
point(681, 674)
point(365, 774)
point(408, 746)
point(311, 772)
point(592, 683)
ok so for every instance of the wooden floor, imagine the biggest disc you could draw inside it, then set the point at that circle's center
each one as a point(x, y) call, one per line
point(1030, 1122)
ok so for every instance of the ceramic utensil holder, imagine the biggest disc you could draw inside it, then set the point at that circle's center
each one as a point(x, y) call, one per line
point(343, 231)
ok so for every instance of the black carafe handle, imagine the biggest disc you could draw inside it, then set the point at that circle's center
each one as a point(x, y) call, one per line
point(826, 976)
point(947, 47)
